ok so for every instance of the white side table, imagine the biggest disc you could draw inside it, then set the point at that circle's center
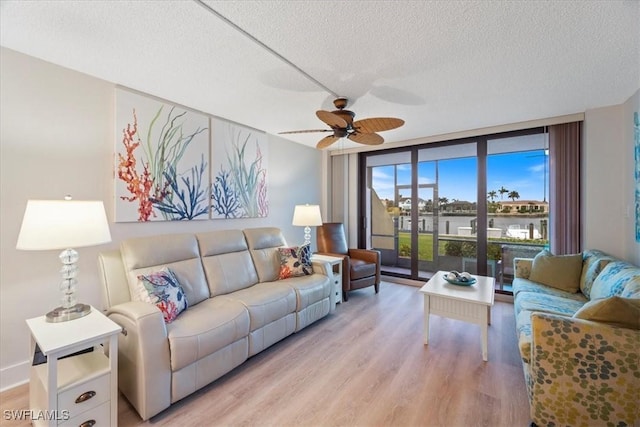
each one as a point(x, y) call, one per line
point(335, 275)
point(81, 389)
point(467, 303)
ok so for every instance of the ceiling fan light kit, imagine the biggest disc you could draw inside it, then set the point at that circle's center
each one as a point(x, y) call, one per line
point(342, 125)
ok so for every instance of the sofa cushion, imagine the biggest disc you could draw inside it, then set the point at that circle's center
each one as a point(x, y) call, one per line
point(295, 261)
point(593, 261)
point(537, 301)
point(532, 297)
point(524, 285)
point(558, 271)
point(614, 310)
point(164, 291)
point(263, 245)
point(614, 279)
point(266, 302)
point(226, 261)
point(204, 329)
point(179, 252)
point(309, 289)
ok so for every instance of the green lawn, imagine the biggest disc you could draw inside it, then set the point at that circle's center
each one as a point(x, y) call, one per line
point(425, 245)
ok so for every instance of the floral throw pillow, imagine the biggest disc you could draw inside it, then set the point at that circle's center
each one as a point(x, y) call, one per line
point(295, 261)
point(165, 292)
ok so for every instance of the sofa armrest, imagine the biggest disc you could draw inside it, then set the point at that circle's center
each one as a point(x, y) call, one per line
point(324, 268)
point(583, 372)
point(144, 368)
point(321, 267)
point(522, 267)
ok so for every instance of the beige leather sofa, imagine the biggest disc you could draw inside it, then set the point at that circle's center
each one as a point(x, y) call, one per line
point(237, 308)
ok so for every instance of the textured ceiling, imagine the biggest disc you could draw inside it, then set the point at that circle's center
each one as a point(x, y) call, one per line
point(441, 66)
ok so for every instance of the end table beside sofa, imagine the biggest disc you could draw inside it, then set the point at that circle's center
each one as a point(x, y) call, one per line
point(73, 378)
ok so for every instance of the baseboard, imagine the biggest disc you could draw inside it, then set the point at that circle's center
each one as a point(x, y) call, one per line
point(15, 375)
point(403, 281)
point(504, 298)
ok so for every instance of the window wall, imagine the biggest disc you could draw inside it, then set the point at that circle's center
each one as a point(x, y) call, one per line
point(467, 205)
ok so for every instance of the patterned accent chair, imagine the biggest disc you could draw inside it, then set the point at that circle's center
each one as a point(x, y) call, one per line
point(360, 267)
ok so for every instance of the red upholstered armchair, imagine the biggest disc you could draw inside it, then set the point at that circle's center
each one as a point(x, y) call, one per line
point(360, 267)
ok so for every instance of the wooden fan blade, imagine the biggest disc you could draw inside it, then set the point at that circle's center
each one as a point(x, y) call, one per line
point(366, 138)
point(331, 119)
point(327, 141)
point(306, 131)
point(377, 124)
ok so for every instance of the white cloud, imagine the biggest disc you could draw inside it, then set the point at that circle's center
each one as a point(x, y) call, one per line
point(423, 180)
point(379, 173)
point(537, 168)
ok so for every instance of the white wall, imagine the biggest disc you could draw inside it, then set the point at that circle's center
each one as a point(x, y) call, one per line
point(608, 180)
point(57, 137)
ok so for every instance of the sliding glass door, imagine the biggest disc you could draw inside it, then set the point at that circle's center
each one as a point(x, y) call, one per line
point(469, 206)
point(389, 181)
point(449, 173)
point(518, 204)
point(419, 199)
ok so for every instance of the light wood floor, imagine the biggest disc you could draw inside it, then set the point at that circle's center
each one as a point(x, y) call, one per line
point(365, 365)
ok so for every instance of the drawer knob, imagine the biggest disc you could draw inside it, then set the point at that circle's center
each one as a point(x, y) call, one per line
point(84, 397)
point(88, 423)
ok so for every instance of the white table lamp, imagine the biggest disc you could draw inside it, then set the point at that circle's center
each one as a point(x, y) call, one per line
point(64, 224)
point(307, 216)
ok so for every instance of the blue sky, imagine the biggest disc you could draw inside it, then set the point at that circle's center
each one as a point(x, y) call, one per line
point(522, 172)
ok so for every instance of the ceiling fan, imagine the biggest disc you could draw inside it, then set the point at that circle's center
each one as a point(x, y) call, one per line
point(342, 125)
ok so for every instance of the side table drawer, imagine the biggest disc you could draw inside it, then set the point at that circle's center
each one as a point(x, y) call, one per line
point(337, 286)
point(85, 396)
point(98, 417)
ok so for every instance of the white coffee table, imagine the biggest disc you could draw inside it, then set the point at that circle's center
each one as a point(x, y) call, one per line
point(467, 303)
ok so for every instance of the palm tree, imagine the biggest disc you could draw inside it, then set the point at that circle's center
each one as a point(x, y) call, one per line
point(443, 201)
point(492, 195)
point(513, 195)
point(429, 205)
point(502, 192)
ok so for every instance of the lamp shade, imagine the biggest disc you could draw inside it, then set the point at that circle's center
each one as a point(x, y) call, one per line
point(61, 224)
point(307, 215)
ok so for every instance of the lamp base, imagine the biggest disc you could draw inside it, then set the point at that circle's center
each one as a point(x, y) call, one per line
point(61, 314)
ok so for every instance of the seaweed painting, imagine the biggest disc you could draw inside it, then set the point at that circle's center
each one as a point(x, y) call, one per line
point(162, 171)
point(239, 188)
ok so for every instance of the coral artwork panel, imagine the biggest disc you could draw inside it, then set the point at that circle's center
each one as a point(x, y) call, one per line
point(238, 171)
point(161, 161)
